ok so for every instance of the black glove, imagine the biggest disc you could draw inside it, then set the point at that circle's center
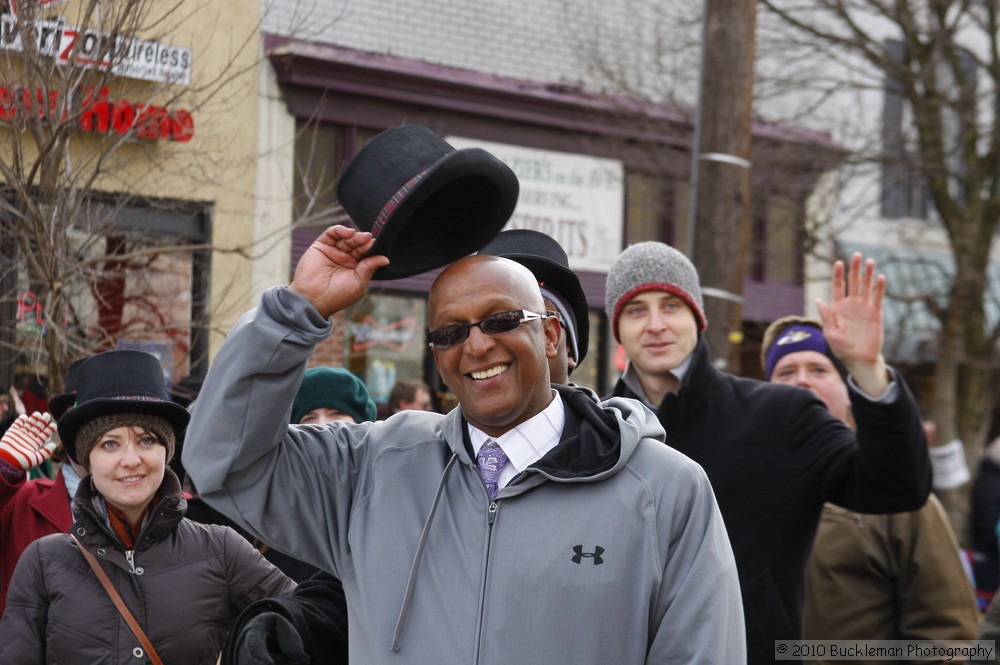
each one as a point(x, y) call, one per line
point(270, 639)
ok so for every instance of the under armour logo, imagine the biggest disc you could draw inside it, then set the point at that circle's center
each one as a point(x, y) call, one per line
point(581, 555)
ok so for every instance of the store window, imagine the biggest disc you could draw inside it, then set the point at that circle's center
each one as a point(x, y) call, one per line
point(321, 151)
point(128, 282)
point(591, 372)
point(383, 341)
point(783, 246)
point(646, 213)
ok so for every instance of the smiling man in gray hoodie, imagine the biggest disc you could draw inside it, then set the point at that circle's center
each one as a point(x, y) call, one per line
point(585, 539)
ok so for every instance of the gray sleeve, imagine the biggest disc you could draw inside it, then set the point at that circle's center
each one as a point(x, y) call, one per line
point(284, 484)
point(699, 612)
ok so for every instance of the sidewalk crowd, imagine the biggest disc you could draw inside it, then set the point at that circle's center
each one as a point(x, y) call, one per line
point(690, 516)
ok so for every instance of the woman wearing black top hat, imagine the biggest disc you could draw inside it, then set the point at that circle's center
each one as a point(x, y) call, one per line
point(182, 582)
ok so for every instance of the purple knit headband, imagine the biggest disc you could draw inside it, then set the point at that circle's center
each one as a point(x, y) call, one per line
point(794, 339)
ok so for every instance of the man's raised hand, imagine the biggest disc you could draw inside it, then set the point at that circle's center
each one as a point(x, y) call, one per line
point(334, 272)
point(853, 323)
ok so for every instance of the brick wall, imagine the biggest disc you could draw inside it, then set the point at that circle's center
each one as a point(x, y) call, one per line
point(330, 352)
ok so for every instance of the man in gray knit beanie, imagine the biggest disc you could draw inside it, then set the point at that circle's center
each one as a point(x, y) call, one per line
point(652, 266)
point(773, 453)
point(654, 304)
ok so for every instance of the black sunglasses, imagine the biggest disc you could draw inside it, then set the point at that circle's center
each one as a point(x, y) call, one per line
point(494, 324)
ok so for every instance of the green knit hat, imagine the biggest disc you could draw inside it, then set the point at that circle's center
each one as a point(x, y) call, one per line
point(333, 388)
point(652, 266)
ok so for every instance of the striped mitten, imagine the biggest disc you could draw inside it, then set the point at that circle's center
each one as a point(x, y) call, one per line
point(26, 443)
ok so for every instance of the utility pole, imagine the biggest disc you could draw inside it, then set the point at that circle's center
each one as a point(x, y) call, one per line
point(719, 221)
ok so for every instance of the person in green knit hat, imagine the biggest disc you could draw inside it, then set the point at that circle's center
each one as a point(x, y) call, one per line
point(329, 394)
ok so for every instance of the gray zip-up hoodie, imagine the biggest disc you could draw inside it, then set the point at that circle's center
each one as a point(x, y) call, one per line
point(610, 549)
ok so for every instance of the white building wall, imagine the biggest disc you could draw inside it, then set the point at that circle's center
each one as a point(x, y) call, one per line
point(274, 183)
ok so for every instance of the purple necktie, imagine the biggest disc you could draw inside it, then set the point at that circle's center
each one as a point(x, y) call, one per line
point(490, 461)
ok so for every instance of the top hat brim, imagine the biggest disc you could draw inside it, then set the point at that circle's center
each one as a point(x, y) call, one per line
point(60, 404)
point(563, 281)
point(73, 419)
point(459, 205)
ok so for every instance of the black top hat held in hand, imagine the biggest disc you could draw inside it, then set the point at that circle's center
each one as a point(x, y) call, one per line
point(426, 203)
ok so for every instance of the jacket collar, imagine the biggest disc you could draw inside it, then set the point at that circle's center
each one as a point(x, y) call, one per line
point(54, 504)
point(698, 376)
point(164, 516)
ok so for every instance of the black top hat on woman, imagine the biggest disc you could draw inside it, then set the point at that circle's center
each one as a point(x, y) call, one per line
point(547, 261)
point(119, 382)
point(426, 203)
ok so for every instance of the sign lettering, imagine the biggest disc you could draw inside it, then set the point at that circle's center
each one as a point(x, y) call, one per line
point(370, 332)
point(129, 57)
point(98, 113)
point(577, 199)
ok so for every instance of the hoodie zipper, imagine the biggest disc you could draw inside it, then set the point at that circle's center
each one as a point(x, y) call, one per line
point(130, 554)
point(491, 514)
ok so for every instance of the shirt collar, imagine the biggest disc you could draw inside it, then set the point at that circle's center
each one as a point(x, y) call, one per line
point(631, 380)
point(528, 442)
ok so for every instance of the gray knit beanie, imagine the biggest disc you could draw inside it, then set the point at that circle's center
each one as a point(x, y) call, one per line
point(652, 266)
point(92, 430)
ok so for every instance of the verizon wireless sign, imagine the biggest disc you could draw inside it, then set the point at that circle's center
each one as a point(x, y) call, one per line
point(128, 57)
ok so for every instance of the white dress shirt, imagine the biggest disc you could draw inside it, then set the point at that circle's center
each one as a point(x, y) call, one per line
point(528, 442)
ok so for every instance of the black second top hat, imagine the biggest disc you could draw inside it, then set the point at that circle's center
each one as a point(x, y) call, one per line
point(426, 203)
point(547, 261)
point(113, 382)
point(59, 404)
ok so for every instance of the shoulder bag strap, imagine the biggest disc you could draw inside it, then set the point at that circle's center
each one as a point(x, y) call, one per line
point(119, 603)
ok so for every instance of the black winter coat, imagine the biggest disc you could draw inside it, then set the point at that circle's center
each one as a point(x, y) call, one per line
point(318, 611)
point(985, 515)
point(774, 455)
point(185, 586)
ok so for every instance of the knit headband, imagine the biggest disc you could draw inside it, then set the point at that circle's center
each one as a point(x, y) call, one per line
point(793, 340)
point(92, 430)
